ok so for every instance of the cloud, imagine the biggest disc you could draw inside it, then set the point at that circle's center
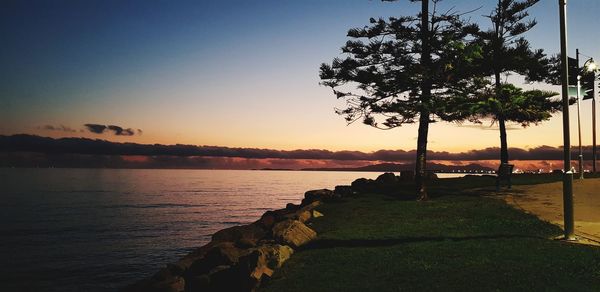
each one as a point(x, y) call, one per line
point(120, 131)
point(116, 130)
point(62, 128)
point(33, 143)
point(95, 128)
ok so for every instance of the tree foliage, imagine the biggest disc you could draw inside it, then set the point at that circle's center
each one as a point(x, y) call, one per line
point(514, 104)
point(505, 51)
point(383, 63)
point(405, 70)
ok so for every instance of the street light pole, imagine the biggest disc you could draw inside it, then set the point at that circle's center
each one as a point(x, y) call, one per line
point(579, 113)
point(568, 174)
point(594, 133)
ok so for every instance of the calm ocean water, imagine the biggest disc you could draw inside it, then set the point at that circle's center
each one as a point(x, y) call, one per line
point(101, 229)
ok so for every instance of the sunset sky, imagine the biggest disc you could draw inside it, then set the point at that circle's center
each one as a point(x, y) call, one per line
point(227, 73)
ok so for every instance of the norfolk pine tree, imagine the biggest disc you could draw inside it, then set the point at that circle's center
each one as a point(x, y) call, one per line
point(406, 70)
point(504, 51)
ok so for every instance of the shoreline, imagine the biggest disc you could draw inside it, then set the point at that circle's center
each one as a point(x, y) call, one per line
point(239, 258)
point(243, 258)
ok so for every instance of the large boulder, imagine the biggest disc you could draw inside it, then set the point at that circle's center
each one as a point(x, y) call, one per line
point(168, 284)
point(222, 254)
point(386, 179)
point(264, 260)
point(292, 206)
point(269, 218)
point(243, 235)
point(344, 191)
point(247, 274)
point(184, 263)
point(301, 214)
point(293, 233)
point(363, 185)
point(323, 195)
point(407, 175)
point(210, 281)
point(387, 183)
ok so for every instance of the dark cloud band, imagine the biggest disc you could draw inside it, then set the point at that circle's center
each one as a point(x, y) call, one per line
point(33, 143)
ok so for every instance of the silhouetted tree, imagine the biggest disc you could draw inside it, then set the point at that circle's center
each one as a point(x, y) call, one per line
point(515, 105)
point(406, 69)
point(505, 51)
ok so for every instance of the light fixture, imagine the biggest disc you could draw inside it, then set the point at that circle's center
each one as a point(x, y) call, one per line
point(590, 65)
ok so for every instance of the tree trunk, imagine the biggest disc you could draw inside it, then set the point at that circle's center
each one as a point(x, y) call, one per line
point(420, 167)
point(503, 143)
point(421, 162)
point(499, 27)
point(501, 123)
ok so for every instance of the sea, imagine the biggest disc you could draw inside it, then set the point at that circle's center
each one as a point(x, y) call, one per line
point(102, 229)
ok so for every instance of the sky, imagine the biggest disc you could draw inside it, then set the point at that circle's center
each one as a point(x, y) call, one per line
point(228, 73)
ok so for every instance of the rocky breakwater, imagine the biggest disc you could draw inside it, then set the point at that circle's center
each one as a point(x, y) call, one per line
point(239, 258)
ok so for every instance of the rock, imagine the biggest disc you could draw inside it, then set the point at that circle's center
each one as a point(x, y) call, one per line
point(387, 183)
point(304, 216)
point(224, 253)
point(292, 207)
point(293, 233)
point(184, 263)
point(316, 214)
point(363, 185)
point(244, 235)
point(407, 175)
point(277, 255)
point(262, 262)
point(224, 278)
point(387, 178)
point(163, 275)
point(171, 284)
point(344, 191)
point(207, 281)
point(198, 283)
point(175, 284)
point(310, 206)
point(324, 195)
point(267, 220)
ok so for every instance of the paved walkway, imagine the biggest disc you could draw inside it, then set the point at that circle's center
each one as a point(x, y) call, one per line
point(546, 201)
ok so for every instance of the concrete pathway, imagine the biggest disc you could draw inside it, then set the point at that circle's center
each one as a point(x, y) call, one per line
point(546, 201)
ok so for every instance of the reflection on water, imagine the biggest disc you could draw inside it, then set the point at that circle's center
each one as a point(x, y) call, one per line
point(100, 229)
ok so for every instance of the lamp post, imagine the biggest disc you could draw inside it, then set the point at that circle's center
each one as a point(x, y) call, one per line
point(568, 175)
point(579, 113)
point(591, 66)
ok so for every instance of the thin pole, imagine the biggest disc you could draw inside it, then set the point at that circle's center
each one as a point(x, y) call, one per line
point(594, 134)
point(579, 114)
point(568, 174)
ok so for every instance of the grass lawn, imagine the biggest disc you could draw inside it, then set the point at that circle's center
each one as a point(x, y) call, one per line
point(453, 242)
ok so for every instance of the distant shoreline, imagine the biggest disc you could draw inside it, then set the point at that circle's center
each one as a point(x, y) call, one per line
point(254, 169)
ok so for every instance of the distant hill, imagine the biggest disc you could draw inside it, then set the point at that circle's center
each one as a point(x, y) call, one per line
point(396, 167)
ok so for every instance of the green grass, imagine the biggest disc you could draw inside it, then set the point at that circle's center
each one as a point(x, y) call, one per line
point(453, 242)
